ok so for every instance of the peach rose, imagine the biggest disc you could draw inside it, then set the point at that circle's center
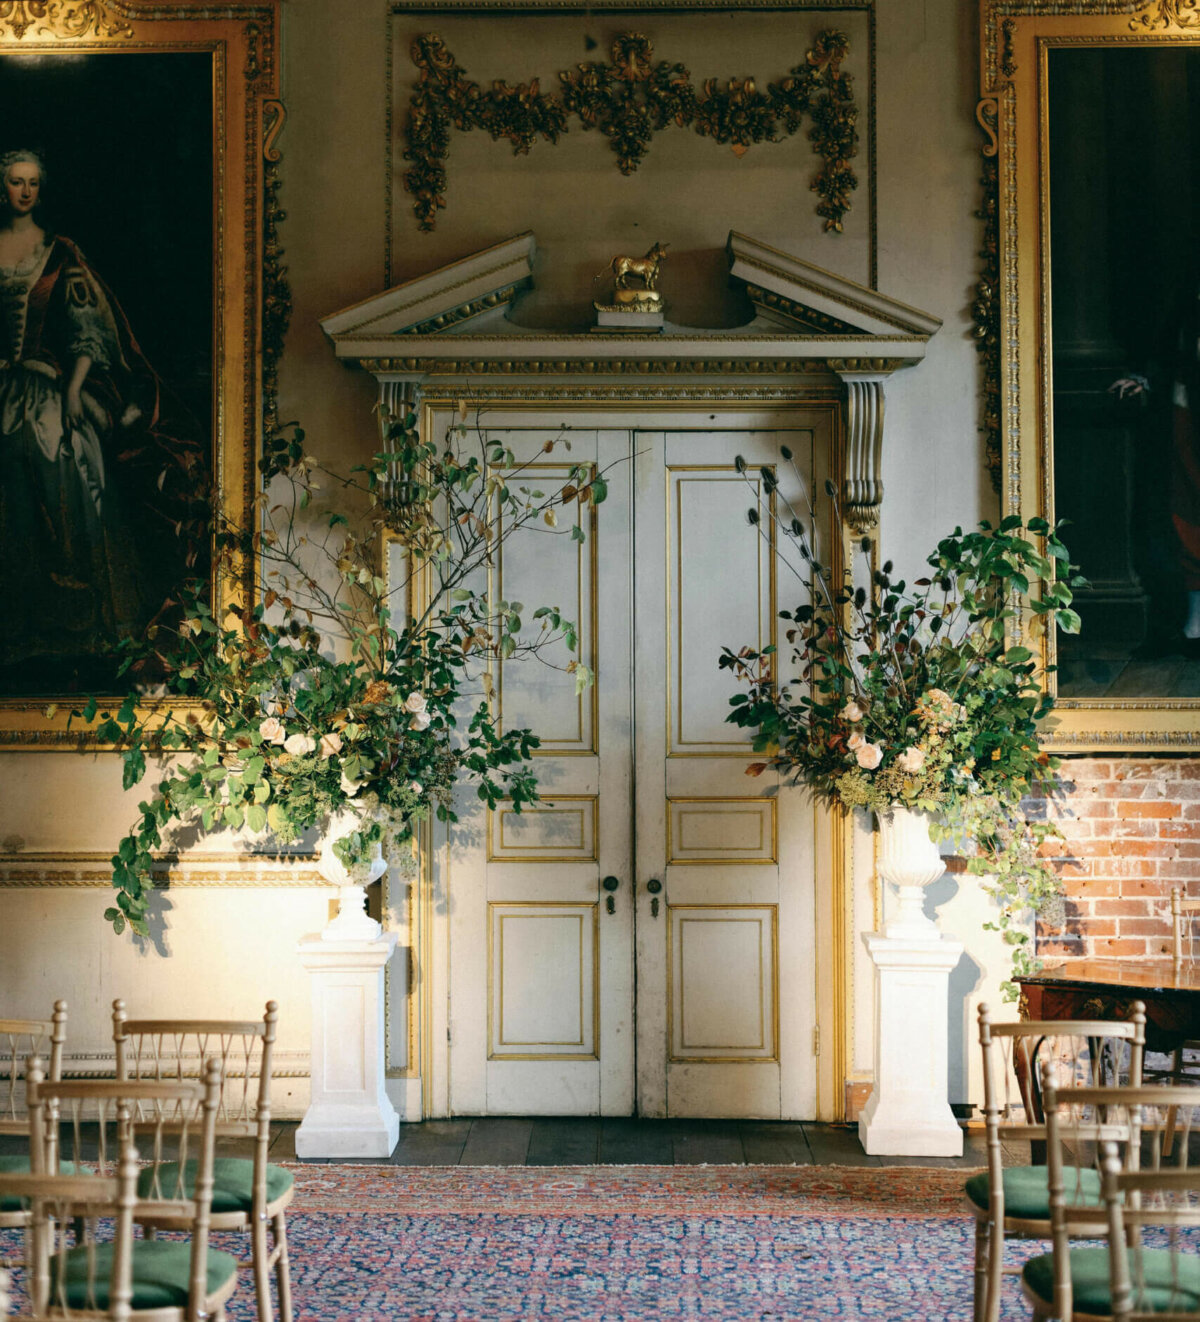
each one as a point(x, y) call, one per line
point(273, 730)
point(911, 760)
point(331, 743)
point(869, 756)
point(856, 740)
point(852, 712)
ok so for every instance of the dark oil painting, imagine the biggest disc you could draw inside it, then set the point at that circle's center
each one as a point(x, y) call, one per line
point(1124, 178)
point(107, 364)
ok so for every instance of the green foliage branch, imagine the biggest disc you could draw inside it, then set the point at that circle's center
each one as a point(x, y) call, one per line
point(912, 695)
point(306, 696)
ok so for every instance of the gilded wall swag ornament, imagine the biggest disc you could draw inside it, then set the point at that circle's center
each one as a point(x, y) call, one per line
point(630, 99)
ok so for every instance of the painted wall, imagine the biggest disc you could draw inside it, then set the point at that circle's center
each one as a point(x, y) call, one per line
point(235, 944)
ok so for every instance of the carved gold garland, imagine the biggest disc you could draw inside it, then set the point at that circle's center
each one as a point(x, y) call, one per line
point(629, 100)
point(985, 308)
point(276, 291)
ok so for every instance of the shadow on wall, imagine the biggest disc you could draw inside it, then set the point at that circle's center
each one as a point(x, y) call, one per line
point(966, 978)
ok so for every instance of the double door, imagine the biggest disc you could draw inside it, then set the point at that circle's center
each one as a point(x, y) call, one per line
point(641, 939)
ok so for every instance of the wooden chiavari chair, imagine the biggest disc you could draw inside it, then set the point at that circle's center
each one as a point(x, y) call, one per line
point(1149, 1211)
point(125, 1130)
point(1011, 1200)
point(19, 1040)
point(248, 1193)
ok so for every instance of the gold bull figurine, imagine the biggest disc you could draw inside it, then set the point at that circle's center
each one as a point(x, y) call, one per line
point(645, 268)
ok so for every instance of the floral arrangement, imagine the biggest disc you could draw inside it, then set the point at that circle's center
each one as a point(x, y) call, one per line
point(911, 695)
point(307, 697)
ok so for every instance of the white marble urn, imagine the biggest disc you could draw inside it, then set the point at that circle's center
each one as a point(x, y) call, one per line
point(911, 862)
point(351, 922)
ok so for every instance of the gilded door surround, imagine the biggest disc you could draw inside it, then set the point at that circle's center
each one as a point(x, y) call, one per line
point(442, 339)
point(1013, 301)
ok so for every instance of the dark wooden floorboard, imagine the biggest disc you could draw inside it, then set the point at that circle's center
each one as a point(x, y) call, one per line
point(838, 1145)
point(633, 1142)
point(564, 1142)
point(707, 1142)
point(616, 1141)
point(775, 1144)
point(497, 1141)
point(433, 1143)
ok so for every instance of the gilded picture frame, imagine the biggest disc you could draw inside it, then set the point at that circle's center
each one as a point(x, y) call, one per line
point(1061, 410)
point(147, 284)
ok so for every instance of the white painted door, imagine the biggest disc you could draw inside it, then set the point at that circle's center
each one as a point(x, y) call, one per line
point(724, 869)
point(642, 782)
point(541, 965)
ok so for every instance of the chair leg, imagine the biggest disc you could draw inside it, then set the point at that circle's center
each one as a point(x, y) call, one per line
point(283, 1280)
point(995, 1271)
point(262, 1274)
point(981, 1246)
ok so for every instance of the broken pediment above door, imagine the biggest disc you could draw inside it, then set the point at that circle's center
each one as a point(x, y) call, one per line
point(812, 332)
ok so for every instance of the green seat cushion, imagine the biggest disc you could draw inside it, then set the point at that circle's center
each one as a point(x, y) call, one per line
point(233, 1182)
point(18, 1164)
point(160, 1274)
point(1027, 1190)
point(1172, 1280)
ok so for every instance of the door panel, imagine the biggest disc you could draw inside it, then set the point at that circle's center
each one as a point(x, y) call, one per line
point(555, 986)
point(725, 966)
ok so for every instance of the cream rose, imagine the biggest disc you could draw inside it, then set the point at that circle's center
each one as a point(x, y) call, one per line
point(416, 787)
point(911, 760)
point(299, 744)
point(856, 740)
point(852, 712)
point(869, 756)
point(350, 787)
point(331, 743)
point(415, 702)
point(421, 721)
point(273, 730)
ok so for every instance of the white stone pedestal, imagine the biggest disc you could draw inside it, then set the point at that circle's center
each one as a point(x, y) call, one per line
point(908, 1114)
point(350, 1114)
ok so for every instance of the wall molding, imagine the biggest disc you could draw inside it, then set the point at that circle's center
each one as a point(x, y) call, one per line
point(223, 869)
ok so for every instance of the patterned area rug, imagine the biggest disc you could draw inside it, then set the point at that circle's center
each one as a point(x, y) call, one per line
point(629, 1244)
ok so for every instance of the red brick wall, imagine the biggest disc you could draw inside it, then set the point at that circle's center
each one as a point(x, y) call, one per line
point(1132, 831)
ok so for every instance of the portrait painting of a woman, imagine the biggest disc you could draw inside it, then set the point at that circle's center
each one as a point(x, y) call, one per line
point(105, 456)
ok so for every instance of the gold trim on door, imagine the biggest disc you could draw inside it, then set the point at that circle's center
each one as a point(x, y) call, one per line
point(588, 813)
point(676, 745)
point(765, 852)
point(769, 978)
point(495, 980)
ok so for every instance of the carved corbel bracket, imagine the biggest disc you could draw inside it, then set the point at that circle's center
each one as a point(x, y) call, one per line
point(398, 397)
point(403, 502)
point(862, 488)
